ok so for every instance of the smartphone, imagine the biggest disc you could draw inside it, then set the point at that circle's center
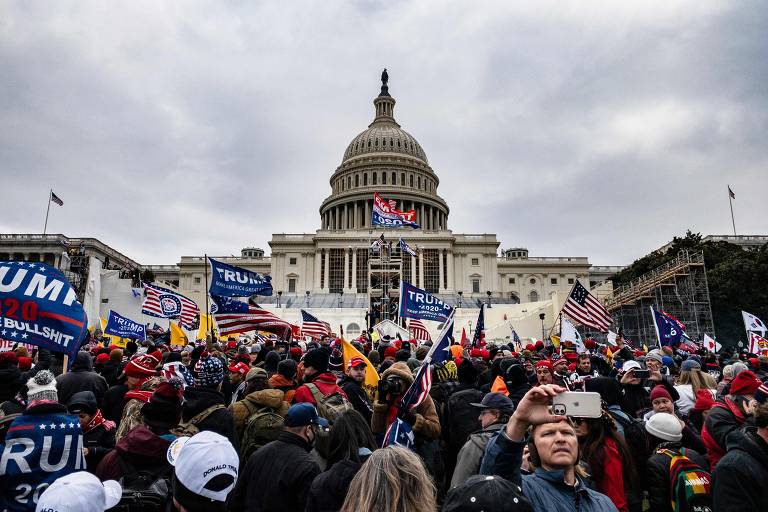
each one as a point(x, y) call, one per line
point(579, 404)
point(641, 374)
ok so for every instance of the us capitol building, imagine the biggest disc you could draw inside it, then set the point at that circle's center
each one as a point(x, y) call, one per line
point(335, 266)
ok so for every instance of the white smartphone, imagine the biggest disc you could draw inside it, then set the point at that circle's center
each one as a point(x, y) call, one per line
point(579, 404)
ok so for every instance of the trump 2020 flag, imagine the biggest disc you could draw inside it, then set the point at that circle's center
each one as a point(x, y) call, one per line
point(385, 214)
point(669, 330)
point(420, 304)
point(231, 281)
point(752, 323)
point(39, 307)
point(118, 325)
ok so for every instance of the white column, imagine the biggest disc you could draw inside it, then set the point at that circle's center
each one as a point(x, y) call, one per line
point(355, 224)
point(450, 271)
point(354, 267)
point(346, 270)
point(327, 271)
point(421, 270)
point(440, 269)
point(316, 276)
point(413, 269)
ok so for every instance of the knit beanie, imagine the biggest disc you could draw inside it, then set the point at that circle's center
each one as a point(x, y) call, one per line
point(413, 363)
point(25, 363)
point(390, 352)
point(272, 360)
point(745, 383)
point(116, 355)
point(141, 366)
point(317, 359)
point(209, 370)
point(664, 426)
point(659, 392)
point(42, 387)
point(287, 368)
point(402, 355)
point(421, 352)
point(375, 358)
point(704, 400)
point(164, 407)
point(446, 371)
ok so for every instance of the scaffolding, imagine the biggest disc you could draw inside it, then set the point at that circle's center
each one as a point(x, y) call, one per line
point(679, 288)
point(384, 274)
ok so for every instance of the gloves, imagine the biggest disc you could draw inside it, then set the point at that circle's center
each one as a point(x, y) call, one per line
point(408, 417)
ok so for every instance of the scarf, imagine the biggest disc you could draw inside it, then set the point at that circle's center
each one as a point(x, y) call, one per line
point(97, 420)
point(143, 396)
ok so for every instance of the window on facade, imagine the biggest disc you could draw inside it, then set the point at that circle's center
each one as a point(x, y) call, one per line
point(475, 262)
point(362, 271)
point(418, 180)
point(475, 286)
point(533, 296)
point(394, 178)
point(374, 178)
point(383, 178)
point(336, 270)
point(570, 280)
point(292, 285)
point(411, 176)
point(511, 280)
point(198, 280)
point(553, 281)
point(532, 281)
point(365, 180)
point(402, 179)
point(357, 180)
point(431, 270)
point(291, 261)
point(349, 182)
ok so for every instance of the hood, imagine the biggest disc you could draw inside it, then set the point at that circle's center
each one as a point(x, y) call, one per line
point(278, 380)
point(143, 442)
point(749, 442)
point(82, 362)
point(270, 397)
point(325, 377)
point(84, 398)
point(197, 399)
point(401, 370)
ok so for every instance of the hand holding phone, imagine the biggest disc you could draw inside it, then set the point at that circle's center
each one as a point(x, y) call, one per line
point(579, 404)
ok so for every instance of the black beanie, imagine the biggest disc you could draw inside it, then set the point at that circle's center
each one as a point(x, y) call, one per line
point(317, 359)
point(287, 368)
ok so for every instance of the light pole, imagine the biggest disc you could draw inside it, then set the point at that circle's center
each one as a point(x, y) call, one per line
point(543, 331)
point(307, 292)
point(460, 294)
point(488, 293)
point(279, 294)
point(341, 298)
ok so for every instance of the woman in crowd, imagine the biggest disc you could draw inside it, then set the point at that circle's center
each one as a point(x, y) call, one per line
point(351, 443)
point(393, 479)
point(689, 382)
point(98, 432)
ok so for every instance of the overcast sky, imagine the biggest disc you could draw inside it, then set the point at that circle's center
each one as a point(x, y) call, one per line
point(595, 129)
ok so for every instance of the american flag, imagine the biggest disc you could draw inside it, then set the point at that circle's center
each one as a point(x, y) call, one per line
point(478, 340)
point(311, 326)
point(419, 390)
point(234, 316)
point(418, 330)
point(165, 303)
point(404, 247)
point(583, 307)
point(378, 243)
point(399, 433)
point(56, 199)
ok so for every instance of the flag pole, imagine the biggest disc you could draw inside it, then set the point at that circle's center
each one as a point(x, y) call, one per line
point(207, 309)
point(45, 228)
point(730, 201)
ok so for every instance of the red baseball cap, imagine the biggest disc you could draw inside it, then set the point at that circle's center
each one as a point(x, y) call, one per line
point(356, 361)
point(240, 368)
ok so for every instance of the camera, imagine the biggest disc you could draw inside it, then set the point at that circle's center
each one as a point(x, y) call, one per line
point(390, 386)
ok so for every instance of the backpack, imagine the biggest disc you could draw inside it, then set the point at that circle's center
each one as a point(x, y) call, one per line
point(262, 426)
point(462, 417)
point(331, 406)
point(634, 435)
point(146, 490)
point(190, 428)
point(689, 484)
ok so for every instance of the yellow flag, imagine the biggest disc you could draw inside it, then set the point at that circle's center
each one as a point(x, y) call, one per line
point(555, 340)
point(113, 340)
point(205, 326)
point(645, 347)
point(608, 353)
point(178, 337)
point(371, 383)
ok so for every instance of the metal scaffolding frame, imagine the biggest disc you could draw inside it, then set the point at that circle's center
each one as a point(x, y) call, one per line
point(384, 274)
point(679, 287)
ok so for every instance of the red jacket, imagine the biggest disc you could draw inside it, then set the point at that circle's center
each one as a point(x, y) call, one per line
point(325, 382)
point(612, 483)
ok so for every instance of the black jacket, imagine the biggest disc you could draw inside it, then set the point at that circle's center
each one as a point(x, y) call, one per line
point(111, 371)
point(114, 402)
point(657, 475)
point(358, 397)
point(329, 489)
point(197, 399)
point(99, 442)
point(81, 378)
point(741, 475)
point(287, 466)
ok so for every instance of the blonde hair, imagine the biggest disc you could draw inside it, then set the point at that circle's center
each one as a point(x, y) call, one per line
point(697, 379)
point(393, 479)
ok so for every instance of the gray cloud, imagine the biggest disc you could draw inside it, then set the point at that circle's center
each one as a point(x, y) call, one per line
point(598, 129)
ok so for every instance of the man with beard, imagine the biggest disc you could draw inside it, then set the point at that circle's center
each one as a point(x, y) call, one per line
point(317, 379)
point(352, 384)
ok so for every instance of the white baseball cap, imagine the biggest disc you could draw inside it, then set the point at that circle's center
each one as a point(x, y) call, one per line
point(631, 365)
point(79, 492)
point(205, 465)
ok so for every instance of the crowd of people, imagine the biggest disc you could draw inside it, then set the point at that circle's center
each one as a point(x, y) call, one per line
point(261, 424)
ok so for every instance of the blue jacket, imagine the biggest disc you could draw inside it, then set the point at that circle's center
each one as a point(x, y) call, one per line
point(546, 490)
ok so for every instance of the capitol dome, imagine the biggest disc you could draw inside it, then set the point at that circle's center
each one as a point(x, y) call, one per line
point(388, 160)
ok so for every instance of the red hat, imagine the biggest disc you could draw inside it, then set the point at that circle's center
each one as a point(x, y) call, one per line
point(157, 354)
point(704, 400)
point(544, 363)
point(295, 351)
point(476, 353)
point(557, 359)
point(398, 344)
point(25, 363)
point(231, 344)
point(745, 383)
point(530, 347)
point(240, 368)
point(113, 347)
point(659, 392)
point(572, 367)
point(539, 344)
point(102, 358)
point(754, 362)
point(355, 362)
point(590, 343)
point(390, 352)
point(571, 356)
point(141, 366)
point(9, 357)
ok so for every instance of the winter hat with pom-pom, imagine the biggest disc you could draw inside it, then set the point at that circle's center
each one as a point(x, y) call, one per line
point(42, 387)
point(210, 371)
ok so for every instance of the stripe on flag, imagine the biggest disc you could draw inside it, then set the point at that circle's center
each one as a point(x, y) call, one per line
point(314, 328)
point(418, 330)
point(164, 303)
point(583, 307)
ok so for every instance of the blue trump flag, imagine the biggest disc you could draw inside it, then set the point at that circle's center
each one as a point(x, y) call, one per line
point(231, 281)
point(39, 307)
point(420, 304)
point(38, 449)
point(118, 325)
point(669, 330)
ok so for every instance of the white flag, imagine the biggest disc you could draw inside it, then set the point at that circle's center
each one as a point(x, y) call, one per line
point(752, 323)
point(612, 338)
point(757, 343)
point(711, 345)
point(568, 332)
